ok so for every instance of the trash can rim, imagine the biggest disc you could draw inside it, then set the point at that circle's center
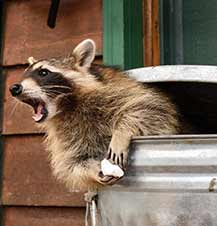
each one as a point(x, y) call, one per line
point(175, 137)
point(175, 73)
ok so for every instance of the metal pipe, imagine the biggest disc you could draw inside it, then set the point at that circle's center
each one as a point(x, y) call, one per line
point(51, 22)
point(93, 213)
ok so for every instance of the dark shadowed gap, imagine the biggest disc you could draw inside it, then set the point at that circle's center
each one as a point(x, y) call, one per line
point(196, 102)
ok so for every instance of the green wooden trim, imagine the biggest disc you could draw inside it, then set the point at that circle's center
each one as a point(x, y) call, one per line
point(171, 32)
point(123, 33)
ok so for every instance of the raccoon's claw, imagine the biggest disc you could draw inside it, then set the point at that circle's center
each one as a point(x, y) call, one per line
point(119, 159)
point(107, 180)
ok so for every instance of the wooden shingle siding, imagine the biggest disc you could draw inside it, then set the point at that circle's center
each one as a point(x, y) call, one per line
point(30, 193)
point(43, 216)
point(17, 118)
point(27, 34)
point(27, 176)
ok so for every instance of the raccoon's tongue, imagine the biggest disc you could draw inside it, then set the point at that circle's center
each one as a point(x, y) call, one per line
point(38, 113)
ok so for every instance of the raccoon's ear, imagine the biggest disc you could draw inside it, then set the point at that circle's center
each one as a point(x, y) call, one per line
point(84, 53)
point(31, 60)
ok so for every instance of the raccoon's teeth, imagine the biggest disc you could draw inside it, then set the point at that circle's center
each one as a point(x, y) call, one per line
point(38, 115)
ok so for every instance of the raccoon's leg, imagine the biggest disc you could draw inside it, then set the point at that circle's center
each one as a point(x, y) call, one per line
point(119, 148)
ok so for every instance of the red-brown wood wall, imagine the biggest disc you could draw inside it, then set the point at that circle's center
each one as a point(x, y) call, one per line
point(30, 194)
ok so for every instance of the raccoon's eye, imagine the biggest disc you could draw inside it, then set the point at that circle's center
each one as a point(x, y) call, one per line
point(43, 72)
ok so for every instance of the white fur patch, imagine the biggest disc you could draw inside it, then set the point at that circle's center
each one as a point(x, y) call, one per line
point(52, 110)
point(31, 60)
point(45, 65)
point(32, 89)
point(30, 84)
point(52, 68)
point(85, 80)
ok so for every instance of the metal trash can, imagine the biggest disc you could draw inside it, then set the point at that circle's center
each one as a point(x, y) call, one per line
point(171, 181)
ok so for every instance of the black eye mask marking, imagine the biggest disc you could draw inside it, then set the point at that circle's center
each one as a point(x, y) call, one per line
point(53, 83)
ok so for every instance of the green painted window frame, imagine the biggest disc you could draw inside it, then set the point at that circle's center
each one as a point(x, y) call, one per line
point(171, 32)
point(123, 33)
point(188, 31)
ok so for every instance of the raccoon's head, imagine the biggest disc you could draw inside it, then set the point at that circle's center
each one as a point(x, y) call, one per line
point(46, 81)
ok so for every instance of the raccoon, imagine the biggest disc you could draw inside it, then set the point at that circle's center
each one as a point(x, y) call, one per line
point(90, 112)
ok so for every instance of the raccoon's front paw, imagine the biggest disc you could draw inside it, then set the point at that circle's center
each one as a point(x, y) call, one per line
point(117, 157)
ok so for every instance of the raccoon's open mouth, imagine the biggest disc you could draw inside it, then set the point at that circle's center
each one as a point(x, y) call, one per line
point(40, 110)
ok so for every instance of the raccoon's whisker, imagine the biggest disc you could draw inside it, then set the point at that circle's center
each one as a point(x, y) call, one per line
point(15, 104)
point(52, 96)
point(55, 86)
point(30, 92)
point(52, 93)
point(31, 95)
point(58, 112)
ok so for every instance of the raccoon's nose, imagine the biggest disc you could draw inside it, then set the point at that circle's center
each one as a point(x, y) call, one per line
point(16, 89)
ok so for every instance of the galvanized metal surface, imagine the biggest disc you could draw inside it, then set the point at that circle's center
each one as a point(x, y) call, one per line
point(175, 73)
point(170, 182)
